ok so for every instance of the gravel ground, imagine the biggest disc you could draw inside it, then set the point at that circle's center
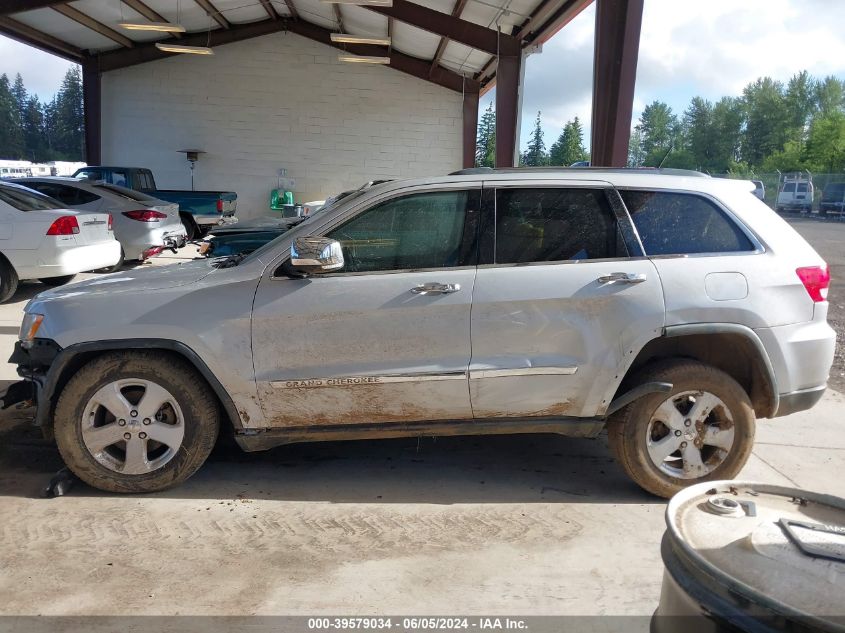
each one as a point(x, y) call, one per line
point(828, 238)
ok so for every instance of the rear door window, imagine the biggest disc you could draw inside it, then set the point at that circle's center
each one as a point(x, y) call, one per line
point(69, 196)
point(683, 224)
point(24, 200)
point(555, 224)
point(789, 187)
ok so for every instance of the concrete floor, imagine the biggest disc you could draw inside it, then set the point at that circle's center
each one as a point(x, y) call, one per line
point(528, 525)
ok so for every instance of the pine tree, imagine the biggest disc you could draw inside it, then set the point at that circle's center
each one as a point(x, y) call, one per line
point(69, 121)
point(485, 149)
point(569, 147)
point(535, 155)
point(33, 130)
point(11, 139)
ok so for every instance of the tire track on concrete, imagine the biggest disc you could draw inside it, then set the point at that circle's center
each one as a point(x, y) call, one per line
point(332, 528)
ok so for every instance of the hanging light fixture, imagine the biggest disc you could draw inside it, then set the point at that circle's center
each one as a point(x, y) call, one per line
point(160, 27)
point(180, 48)
point(363, 59)
point(359, 39)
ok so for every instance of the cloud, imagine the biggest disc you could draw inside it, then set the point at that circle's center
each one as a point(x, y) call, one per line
point(711, 49)
point(42, 73)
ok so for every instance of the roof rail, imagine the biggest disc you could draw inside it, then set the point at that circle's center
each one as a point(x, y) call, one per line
point(664, 171)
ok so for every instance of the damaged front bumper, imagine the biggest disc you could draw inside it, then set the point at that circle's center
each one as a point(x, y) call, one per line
point(33, 363)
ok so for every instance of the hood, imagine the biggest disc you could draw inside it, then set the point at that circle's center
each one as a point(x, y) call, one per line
point(257, 224)
point(139, 280)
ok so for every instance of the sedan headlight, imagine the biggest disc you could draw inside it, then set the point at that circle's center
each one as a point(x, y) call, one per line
point(29, 327)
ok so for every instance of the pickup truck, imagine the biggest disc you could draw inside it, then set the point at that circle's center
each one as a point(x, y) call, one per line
point(199, 210)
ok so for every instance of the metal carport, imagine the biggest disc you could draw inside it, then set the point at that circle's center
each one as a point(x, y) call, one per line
point(466, 46)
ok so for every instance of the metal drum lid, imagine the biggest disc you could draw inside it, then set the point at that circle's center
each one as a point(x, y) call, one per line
point(782, 548)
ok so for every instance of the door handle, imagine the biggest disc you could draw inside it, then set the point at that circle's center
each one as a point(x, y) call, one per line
point(622, 278)
point(435, 288)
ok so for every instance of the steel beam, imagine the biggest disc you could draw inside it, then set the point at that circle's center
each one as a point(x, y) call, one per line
point(419, 68)
point(268, 7)
point(27, 35)
point(8, 7)
point(470, 126)
point(444, 41)
point(292, 8)
point(87, 21)
point(617, 44)
point(213, 13)
point(92, 101)
point(445, 25)
point(507, 109)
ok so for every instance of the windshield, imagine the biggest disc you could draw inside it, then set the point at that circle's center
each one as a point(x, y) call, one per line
point(835, 191)
point(27, 200)
point(331, 203)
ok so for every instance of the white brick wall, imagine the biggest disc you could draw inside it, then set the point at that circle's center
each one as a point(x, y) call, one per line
point(273, 102)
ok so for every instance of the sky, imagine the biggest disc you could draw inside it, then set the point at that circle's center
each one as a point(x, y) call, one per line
point(710, 48)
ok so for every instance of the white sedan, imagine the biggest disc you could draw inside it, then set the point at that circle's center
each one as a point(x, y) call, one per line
point(143, 225)
point(41, 240)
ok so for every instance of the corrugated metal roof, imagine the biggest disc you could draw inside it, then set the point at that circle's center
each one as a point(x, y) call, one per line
point(71, 23)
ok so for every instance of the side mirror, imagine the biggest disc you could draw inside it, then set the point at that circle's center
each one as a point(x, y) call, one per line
point(316, 255)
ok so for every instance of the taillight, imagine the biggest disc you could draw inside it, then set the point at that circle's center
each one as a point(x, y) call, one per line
point(816, 280)
point(111, 223)
point(145, 215)
point(65, 225)
point(219, 205)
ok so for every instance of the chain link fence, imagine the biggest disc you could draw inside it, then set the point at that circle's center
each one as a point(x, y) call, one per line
point(827, 188)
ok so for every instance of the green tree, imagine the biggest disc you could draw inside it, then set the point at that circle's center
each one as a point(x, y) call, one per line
point(11, 140)
point(825, 149)
point(800, 102)
point(33, 130)
point(658, 127)
point(68, 119)
point(636, 155)
point(767, 120)
point(699, 133)
point(830, 95)
point(727, 120)
point(569, 147)
point(485, 148)
point(535, 155)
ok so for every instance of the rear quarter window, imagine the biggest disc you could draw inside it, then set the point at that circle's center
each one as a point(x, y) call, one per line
point(672, 223)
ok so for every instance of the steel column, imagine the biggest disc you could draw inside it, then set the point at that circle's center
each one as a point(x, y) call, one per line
point(92, 100)
point(470, 125)
point(507, 109)
point(615, 54)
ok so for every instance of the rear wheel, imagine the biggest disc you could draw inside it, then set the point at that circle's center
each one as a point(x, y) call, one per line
point(56, 281)
point(115, 267)
point(8, 280)
point(190, 225)
point(136, 422)
point(702, 430)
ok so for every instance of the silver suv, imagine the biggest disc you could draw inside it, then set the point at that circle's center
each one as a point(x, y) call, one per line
point(670, 309)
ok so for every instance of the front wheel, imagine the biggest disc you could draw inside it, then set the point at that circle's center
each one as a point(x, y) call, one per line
point(56, 281)
point(701, 430)
point(136, 421)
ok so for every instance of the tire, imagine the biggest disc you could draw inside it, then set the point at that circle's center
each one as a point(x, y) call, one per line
point(8, 280)
point(635, 430)
point(190, 226)
point(187, 422)
point(116, 267)
point(56, 281)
